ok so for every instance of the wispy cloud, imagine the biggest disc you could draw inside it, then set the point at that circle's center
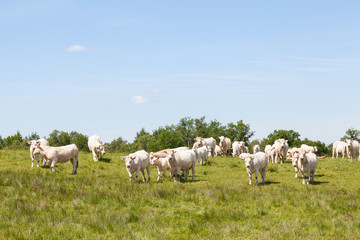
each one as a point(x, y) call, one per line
point(316, 69)
point(139, 100)
point(152, 91)
point(76, 48)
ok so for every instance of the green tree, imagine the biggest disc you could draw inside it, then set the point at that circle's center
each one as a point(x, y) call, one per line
point(80, 140)
point(352, 134)
point(289, 135)
point(239, 132)
point(1, 142)
point(57, 138)
point(166, 137)
point(201, 128)
point(118, 145)
point(33, 136)
point(186, 129)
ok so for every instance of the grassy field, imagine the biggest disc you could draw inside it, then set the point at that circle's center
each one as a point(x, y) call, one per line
point(101, 203)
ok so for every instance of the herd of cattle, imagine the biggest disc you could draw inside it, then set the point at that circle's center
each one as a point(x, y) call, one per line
point(183, 159)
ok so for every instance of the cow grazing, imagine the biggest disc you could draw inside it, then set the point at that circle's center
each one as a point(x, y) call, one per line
point(162, 165)
point(306, 163)
point(352, 149)
point(59, 154)
point(255, 163)
point(281, 149)
point(202, 153)
point(137, 161)
point(225, 145)
point(210, 142)
point(34, 153)
point(182, 161)
point(96, 147)
point(256, 149)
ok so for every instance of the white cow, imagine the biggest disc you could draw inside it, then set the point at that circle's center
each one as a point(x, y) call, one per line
point(236, 148)
point(335, 144)
point(182, 161)
point(293, 159)
point(62, 154)
point(270, 151)
point(352, 149)
point(162, 165)
point(306, 163)
point(255, 163)
point(256, 149)
point(246, 150)
point(341, 148)
point(96, 147)
point(281, 149)
point(308, 148)
point(137, 161)
point(210, 142)
point(225, 145)
point(202, 153)
point(36, 154)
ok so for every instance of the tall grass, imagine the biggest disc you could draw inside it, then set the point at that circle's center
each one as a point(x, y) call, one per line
point(100, 202)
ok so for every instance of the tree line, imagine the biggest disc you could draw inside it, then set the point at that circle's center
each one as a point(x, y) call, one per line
point(176, 135)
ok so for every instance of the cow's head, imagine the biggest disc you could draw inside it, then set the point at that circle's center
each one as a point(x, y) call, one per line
point(300, 156)
point(101, 148)
point(248, 158)
point(129, 160)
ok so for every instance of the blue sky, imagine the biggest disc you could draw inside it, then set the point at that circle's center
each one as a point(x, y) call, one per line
point(113, 67)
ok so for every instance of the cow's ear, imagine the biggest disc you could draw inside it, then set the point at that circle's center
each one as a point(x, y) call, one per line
point(123, 158)
point(29, 142)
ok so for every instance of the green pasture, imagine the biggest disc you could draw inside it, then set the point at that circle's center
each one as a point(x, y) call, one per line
point(101, 203)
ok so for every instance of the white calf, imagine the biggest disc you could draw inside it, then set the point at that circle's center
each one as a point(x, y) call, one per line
point(36, 153)
point(256, 149)
point(255, 163)
point(352, 149)
point(137, 161)
point(162, 165)
point(202, 153)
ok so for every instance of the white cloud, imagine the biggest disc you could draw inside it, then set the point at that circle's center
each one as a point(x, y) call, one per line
point(139, 100)
point(76, 48)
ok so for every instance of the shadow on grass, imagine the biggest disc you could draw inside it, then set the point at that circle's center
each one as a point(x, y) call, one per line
point(269, 183)
point(107, 160)
point(318, 183)
point(320, 175)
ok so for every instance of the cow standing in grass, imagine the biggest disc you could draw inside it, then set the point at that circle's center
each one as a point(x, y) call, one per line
point(96, 147)
point(225, 145)
point(137, 162)
point(306, 163)
point(59, 154)
point(352, 149)
point(36, 153)
point(182, 161)
point(255, 163)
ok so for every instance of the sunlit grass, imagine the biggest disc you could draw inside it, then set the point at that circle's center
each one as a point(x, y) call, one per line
point(100, 202)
